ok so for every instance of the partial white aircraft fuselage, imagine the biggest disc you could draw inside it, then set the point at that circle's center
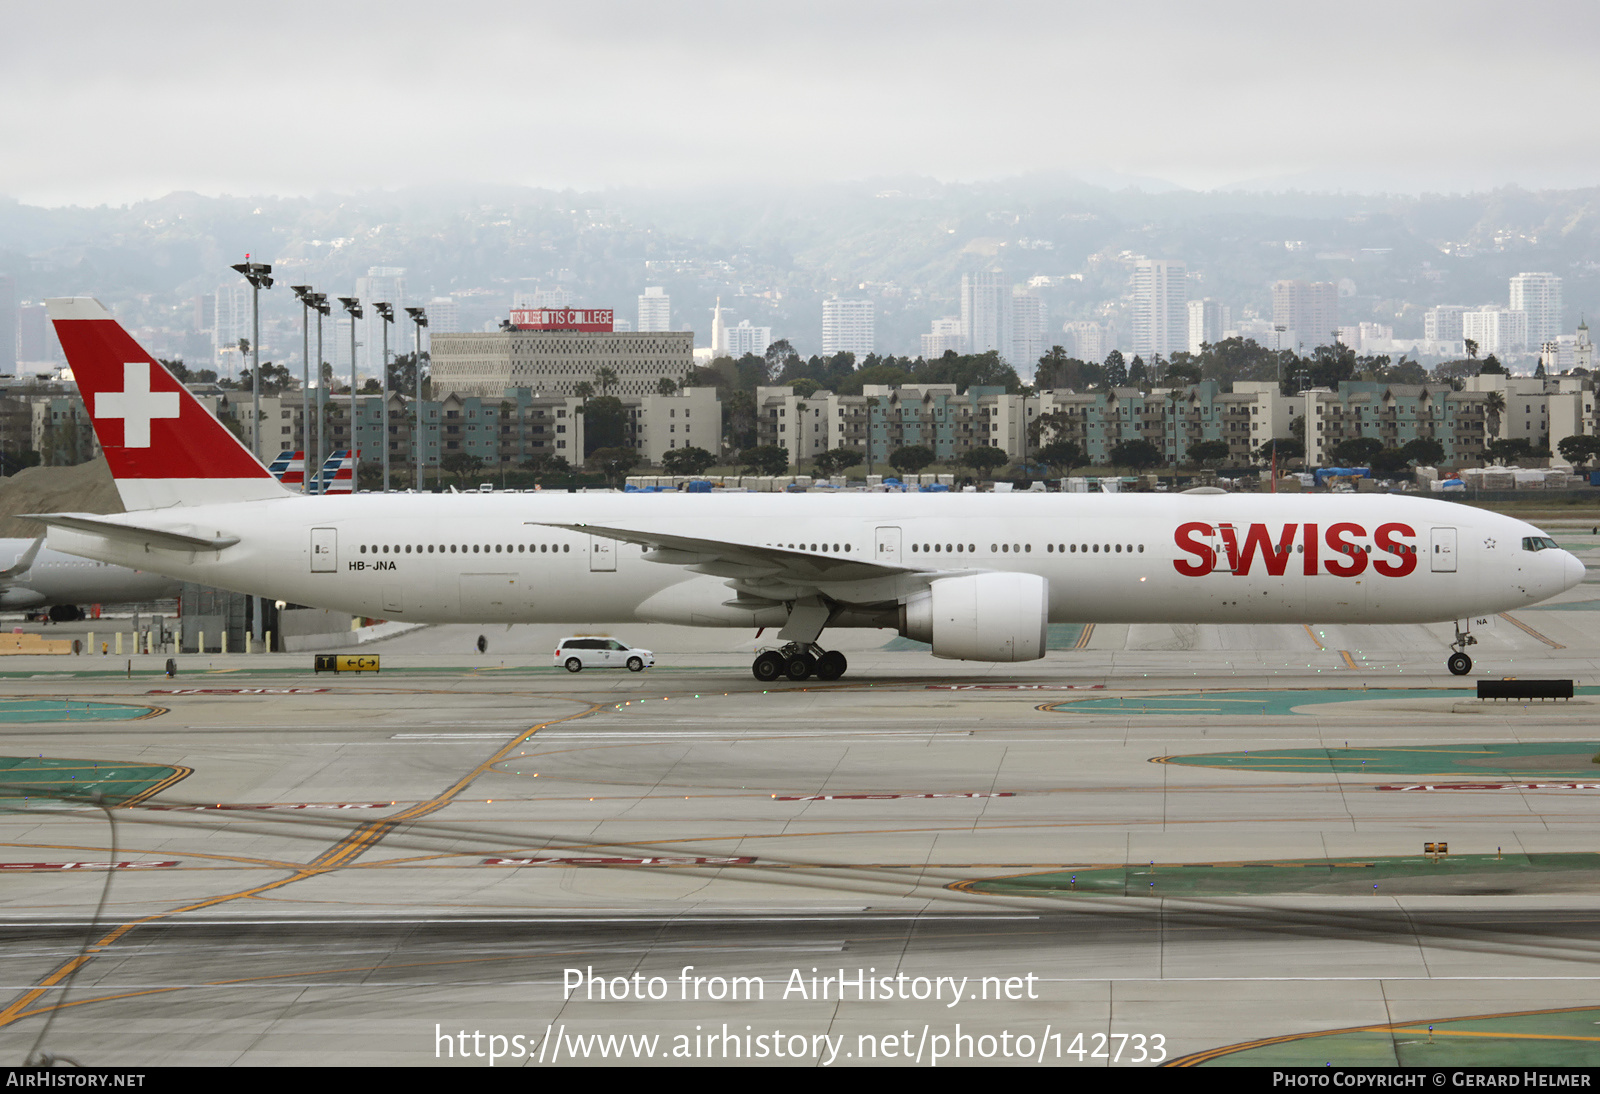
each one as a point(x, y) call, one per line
point(979, 577)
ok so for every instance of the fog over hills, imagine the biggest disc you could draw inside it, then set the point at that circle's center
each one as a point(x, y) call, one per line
point(774, 253)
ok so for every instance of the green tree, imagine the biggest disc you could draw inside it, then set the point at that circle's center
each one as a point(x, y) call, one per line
point(605, 424)
point(1578, 449)
point(1202, 452)
point(1423, 450)
point(1355, 451)
point(1116, 370)
point(1389, 463)
point(1138, 454)
point(545, 465)
point(985, 460)
point(687, 461)
point(1063, 456)
point(403, 374)
point(1493, 367)
point(766, 459)
point(457, 464)
point(1508, 450)
point(613, 463)
point(605, 378)
point(666, 386)
point(911, 459)
point(835, 460)
point(1286, 448)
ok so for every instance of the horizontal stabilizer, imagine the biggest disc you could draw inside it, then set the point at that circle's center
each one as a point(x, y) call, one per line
point(123, 532)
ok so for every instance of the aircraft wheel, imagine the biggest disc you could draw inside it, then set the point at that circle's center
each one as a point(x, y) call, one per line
point(767, 667)
point(831, 665)
point(574, 665)
point(800, 666)
point(635, 664)
point(65, 613)
point(1459, 664)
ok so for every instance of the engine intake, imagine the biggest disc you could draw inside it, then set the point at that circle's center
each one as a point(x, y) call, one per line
point(981, 617)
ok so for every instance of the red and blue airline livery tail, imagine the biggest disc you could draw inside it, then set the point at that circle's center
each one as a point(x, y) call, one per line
point(163, 446)
point(289, 468)
point(337, 475)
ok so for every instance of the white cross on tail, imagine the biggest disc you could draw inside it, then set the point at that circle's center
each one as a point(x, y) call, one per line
point(136, 404)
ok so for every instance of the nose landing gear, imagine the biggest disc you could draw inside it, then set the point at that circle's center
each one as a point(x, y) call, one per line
point(1459, 663)
point(799, 661)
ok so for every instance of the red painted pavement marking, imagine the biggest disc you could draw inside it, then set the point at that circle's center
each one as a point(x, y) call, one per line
point(882, 797)
point(84, 865)
point(234, 691)
point(1013, 687)
point(1493, 786)
point(738, 861)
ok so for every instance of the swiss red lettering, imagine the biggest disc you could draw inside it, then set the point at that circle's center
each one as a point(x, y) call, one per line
point(1187, 540)
point(1401, 559)
point(1274, 557)
point(1309, 541)
point(1349, 559)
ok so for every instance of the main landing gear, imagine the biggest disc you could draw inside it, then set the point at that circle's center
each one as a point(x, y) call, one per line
point(799, 661)
point(1459, 663)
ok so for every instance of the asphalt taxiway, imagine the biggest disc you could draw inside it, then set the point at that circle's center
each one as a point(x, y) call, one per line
point(251, 863)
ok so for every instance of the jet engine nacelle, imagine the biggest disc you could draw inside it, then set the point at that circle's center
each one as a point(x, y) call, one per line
point(982, 617)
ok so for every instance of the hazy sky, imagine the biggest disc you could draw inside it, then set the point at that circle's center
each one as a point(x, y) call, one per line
point(113, 102)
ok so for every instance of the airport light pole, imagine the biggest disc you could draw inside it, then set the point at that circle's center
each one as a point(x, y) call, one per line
point(386, 313)
point(304, 294)
point(259, 276)
point(419, 317)
point(319, 301)
point(353, 306)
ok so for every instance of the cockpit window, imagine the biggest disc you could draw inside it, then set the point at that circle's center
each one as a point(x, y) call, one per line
point(1538, 543)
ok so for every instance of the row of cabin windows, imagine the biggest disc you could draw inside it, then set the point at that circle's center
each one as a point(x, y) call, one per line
point(486, 548)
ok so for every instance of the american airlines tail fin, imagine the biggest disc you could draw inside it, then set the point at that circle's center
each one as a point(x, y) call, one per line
point(163, 446)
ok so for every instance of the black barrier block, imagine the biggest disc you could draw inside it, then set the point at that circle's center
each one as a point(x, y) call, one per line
point(1524, 689)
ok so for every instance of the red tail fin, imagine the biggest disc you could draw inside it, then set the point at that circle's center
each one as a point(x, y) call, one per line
point(163, 446)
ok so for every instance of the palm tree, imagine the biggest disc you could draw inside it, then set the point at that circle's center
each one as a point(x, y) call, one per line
point(1494, 406)
point(605, 379)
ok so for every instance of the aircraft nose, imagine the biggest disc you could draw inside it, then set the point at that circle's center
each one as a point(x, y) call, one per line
point(1574, 571)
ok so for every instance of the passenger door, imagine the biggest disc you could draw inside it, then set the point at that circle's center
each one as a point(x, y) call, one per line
point(324, 550)
point(888, 545)
point(1444, 550)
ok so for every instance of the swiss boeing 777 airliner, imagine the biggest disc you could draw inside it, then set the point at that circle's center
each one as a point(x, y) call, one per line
point(977, 576)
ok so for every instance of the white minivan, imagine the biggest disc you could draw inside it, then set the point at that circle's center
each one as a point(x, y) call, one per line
point(577, 654)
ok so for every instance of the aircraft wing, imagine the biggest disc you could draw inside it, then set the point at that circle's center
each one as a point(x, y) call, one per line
point(768, 572)
point(23, 563)
point(171, 539)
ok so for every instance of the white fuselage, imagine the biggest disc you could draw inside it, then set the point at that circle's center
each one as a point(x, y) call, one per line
point(1108, 558)
point(57, 578)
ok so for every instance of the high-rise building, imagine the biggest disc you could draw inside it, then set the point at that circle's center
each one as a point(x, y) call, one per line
point(1027, 332)
point(382, 284)
point(948, 336)
point(8, 325)
point(744, 338)
point(1496, 330)
point(444, 316)
point(37, 345)
point(1160, 308)
point(848, 326)
point(1538, 296)
point(1207, 320)
point(1443, 323)
point(1310, 309)
point(719, 332)
point(986, 312)
point(1086, 340)
point(655, 309)
point(230, 321)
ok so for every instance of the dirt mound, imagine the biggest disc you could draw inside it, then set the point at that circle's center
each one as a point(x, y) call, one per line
point(86, 488)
